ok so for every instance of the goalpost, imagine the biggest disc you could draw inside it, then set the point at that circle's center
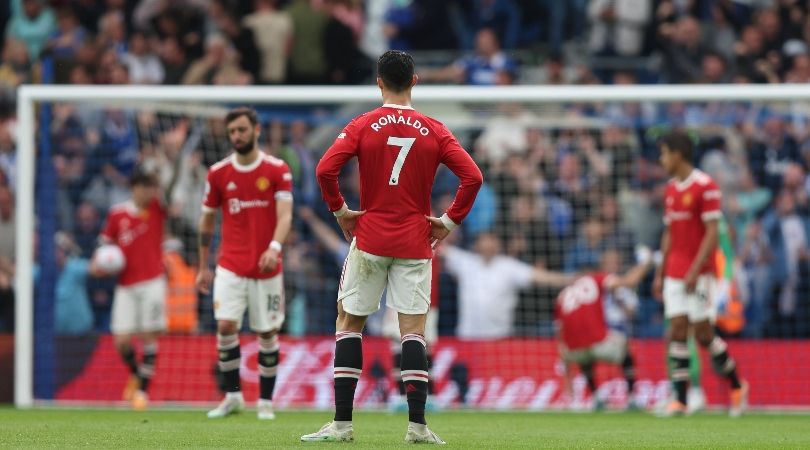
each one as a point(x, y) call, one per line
point(446, 103)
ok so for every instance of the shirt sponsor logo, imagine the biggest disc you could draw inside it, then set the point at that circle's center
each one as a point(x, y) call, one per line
point(235, 206)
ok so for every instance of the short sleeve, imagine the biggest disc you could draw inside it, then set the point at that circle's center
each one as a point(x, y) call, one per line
point(710, 203)
point(283, 183)
point(212, 198)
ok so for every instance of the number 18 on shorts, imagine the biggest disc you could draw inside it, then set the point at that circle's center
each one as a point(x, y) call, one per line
point(263, 299)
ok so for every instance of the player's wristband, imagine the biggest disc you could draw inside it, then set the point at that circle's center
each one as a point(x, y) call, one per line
point(341, 211)
point(448, 222)
point(275, 245)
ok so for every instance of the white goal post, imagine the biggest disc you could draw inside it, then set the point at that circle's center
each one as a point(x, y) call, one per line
point(28, 96)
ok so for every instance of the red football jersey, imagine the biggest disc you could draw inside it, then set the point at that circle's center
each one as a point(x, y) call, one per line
point(139, 233)
point(399, 151)
point(247, 196)
point(688, 205)
point(580, 312)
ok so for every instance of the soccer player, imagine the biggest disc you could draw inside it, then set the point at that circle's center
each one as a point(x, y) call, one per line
point(583, 332)
point(136, 226)
point(399, 151)
point(254, 192)
point(686, 275)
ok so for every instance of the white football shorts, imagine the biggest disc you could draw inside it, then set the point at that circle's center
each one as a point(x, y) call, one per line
point(366, 276)
point(263, 299)
point(697, 305)
point(140, 307)
point(611, 349)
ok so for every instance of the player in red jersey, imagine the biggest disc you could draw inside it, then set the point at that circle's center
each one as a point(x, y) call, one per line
point(136, 226)
point(582, 330)
point(399, 151)
point(686, 277)
point(254, 192)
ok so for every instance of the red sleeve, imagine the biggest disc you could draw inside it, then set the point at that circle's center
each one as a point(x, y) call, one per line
point(282, 183)
point(212, 198)
point(460, 163)
point(328, 170)
point(110, 230)
point(710, 202)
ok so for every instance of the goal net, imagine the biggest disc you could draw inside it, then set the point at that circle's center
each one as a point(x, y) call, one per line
point(572, 184)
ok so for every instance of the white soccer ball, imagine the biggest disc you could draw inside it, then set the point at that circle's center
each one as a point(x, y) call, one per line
point(110, 259)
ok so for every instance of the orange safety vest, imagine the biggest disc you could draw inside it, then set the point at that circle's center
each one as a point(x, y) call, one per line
point(181, 302)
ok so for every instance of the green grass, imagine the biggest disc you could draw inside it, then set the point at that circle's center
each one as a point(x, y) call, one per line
point(108, 429)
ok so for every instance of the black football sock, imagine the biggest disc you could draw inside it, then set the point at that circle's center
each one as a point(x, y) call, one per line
point(348, 368)
point(415, 376)
point(679, 362)
point(147, 368)
point(230, 358)
point(268, 366)
point(723, 363)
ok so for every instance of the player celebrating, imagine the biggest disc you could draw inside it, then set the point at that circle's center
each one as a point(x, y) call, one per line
point(399, 151)
point(254, 191)
point(583, 334)
point(686, 277)
point(136, 226)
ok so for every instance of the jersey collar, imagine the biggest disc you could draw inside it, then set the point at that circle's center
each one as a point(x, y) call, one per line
point(246, 168)
point(394, 105)
point(683, 185)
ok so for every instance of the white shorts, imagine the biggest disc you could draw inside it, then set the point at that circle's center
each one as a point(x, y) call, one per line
point(366, 276)
point(612, 349)
point(390, 327)
point(698, 305)
point(140, 307)
point(263, 299)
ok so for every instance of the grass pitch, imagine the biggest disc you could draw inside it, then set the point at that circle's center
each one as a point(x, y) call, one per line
point(108, 429)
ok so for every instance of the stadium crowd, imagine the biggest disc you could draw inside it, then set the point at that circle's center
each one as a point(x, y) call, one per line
point(557, 193)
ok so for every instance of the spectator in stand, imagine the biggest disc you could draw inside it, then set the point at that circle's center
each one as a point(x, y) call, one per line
point(683, 51)
point(488, 287)
point(482, 69)
point(789, 239)
point(174, 60)
point(419, 25)
point(72, 312)
point(799, 72)
point(68, 38)
point(714, 69)
point(240, 37)
point(8, 157)
point(560, 14)
point(144, 67)
point(217, 66)
point(33, 23)
point(15, 66)
point(769, 155)
point(112, 32)
point(307, 64)
point(617, 26)
point(273, 32)
point(500, 16)
point(346, 63)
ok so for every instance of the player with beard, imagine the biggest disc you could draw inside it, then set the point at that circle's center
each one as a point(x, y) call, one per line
point(254, 192)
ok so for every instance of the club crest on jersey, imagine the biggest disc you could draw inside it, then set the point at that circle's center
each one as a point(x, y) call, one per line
point(262, 184)
point(686, 199)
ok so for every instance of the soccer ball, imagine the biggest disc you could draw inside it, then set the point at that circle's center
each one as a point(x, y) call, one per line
point(110, 259)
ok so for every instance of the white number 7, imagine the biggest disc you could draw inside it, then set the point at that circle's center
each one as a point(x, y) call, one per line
point(405, 145)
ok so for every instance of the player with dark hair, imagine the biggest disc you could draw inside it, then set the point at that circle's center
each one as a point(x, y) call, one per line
point(139, 302)
point(399, 151)
point(686, 279)
point(254, 192)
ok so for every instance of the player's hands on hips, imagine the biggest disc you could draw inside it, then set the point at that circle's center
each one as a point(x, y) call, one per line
point(658, 287)
point(269, 260)
point(204, 278)
point(348, 221)
point(437, 231)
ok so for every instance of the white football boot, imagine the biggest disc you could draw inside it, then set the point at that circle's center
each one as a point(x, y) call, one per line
point(331, 432)
point(231, 404)
point(264, 410)
point(421, 434)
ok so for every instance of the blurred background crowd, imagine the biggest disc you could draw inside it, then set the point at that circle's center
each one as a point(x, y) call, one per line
point(564, 185)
